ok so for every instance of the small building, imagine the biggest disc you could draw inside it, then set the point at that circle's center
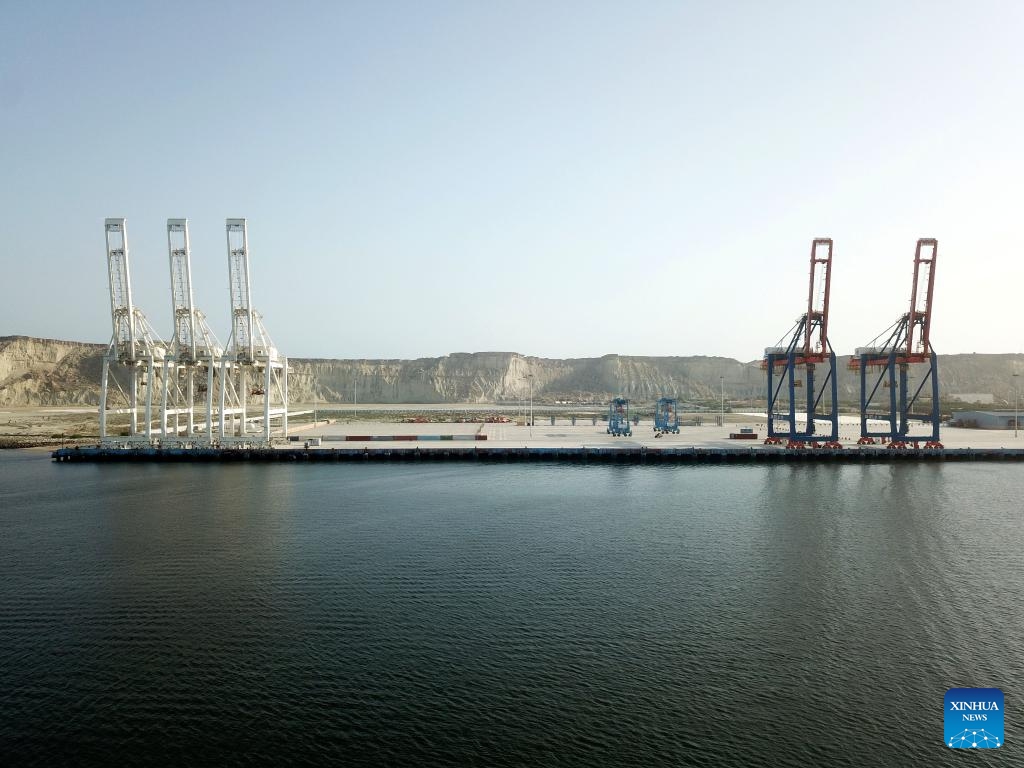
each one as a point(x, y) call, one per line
point(981, 398)
point(984, 419)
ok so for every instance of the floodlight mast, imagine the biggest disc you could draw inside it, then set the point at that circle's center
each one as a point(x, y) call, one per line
point(133, 344)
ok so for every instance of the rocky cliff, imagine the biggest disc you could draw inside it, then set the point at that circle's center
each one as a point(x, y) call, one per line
point(52, 373)
point(504, 376)
point(49, 372)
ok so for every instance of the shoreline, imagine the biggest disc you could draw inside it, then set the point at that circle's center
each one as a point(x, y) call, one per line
point(575, 455)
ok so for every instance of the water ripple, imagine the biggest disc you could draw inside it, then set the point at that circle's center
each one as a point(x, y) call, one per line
point(500, 616)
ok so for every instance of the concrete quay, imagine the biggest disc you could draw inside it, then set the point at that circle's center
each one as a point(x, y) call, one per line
point(378, 441)
point(585, 435)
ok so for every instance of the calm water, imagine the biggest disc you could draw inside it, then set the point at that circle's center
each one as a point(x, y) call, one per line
point(509, 615)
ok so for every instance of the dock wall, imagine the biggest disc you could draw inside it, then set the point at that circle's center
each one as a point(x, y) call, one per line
point(574, 455)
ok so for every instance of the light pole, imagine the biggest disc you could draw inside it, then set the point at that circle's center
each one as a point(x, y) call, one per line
point(530, 377)
point(722, 380)
point(1016, 399)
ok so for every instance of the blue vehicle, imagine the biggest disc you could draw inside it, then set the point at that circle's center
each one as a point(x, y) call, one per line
point(618, 418)
point(666, 415)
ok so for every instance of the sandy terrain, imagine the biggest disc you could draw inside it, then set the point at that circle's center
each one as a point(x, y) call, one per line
point(23, 427)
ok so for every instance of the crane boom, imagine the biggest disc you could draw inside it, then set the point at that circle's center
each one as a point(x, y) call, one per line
point(122, 312)
point(182, 305)
point(818, 297)
point(921, 297)
point(238, 280)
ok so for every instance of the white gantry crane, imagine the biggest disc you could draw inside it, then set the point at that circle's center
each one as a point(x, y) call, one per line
point(134, 346)
point(251, 367)
point(190, 367)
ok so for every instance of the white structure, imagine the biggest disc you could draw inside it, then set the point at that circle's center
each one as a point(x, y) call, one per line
point(194, 353)
point(251, 367)
point(133, 346)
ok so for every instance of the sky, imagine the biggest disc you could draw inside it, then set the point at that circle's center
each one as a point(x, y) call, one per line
point(567, 179)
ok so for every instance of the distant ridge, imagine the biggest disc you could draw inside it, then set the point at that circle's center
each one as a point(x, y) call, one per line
point(53, 372)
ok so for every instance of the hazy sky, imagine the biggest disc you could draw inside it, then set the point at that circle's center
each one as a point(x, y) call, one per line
point(554, 178)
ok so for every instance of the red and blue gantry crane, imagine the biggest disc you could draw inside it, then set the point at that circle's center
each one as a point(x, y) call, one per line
point(888, 393)
point(794, 387)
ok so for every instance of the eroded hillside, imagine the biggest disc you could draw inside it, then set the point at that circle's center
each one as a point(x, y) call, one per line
point(47, 372)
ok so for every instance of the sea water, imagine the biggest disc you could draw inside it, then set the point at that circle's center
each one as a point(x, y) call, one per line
point(467, 614)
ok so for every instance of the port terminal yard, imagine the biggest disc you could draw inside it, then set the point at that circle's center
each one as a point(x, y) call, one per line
point(583, 442)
